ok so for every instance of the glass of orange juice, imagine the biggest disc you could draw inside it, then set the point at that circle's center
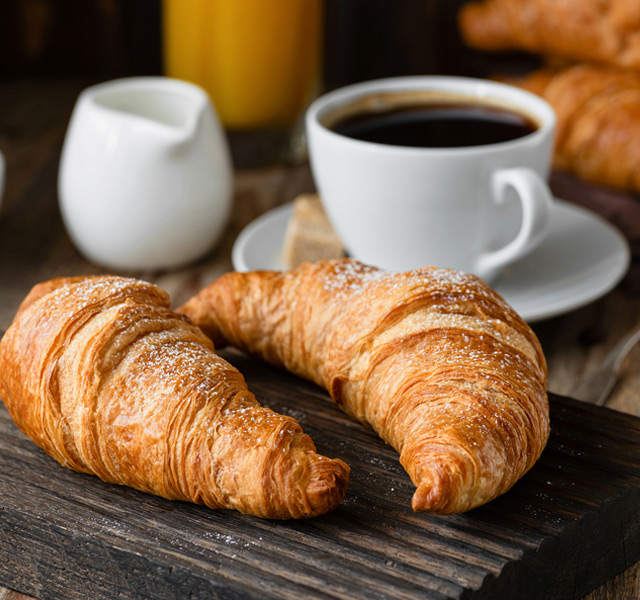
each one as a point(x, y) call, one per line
point(258, 59)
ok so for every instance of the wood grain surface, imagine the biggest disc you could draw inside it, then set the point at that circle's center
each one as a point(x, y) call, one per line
point(550, 536)
point(34, 246)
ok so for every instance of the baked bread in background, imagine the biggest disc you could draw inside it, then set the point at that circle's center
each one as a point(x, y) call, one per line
point(592, 81)
point(604, 31)
point(598, 120)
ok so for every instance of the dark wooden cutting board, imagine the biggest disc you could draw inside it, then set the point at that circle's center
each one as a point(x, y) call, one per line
point(570, 524)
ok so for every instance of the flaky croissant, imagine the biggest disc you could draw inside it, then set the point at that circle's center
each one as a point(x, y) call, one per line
point(99, 373)
point(433, 360)
point(598, 121)
point(606, 31)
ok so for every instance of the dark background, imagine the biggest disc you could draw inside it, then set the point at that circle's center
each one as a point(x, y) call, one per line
point(364, 39)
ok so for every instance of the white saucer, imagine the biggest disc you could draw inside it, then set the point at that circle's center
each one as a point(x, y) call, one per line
point(582, 258)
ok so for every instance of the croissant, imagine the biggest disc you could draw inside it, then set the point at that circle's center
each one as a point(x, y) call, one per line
point(606, 31)
point(433, 360)
point(598, 121)
point(99, 373)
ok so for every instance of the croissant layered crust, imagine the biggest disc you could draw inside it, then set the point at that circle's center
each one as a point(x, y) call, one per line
point(99, 373)
point(433, 360)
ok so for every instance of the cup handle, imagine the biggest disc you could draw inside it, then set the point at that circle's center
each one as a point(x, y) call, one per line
point(537, 204)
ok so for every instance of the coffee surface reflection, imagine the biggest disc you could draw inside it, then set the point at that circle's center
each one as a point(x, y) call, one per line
point(441, 125)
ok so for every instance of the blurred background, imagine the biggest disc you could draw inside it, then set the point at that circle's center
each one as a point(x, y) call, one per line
point(362, 39)
point(357, 40)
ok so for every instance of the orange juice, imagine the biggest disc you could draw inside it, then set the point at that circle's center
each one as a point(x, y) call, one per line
point(258, 59)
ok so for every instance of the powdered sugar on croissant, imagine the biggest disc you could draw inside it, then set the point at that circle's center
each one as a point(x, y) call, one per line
point(107, 380)
point(433, 360)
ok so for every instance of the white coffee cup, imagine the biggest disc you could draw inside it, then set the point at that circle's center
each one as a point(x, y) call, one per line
point(469, 208)
point(145, 178)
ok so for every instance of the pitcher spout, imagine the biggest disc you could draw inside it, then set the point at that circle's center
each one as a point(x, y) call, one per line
point(171, 109)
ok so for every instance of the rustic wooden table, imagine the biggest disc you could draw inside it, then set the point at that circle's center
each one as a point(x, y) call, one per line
point(34, 246)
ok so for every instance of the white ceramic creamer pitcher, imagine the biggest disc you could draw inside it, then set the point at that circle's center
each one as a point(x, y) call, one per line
point(145, 175)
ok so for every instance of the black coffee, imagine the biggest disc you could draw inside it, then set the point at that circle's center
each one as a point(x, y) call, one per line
point(437, 126)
